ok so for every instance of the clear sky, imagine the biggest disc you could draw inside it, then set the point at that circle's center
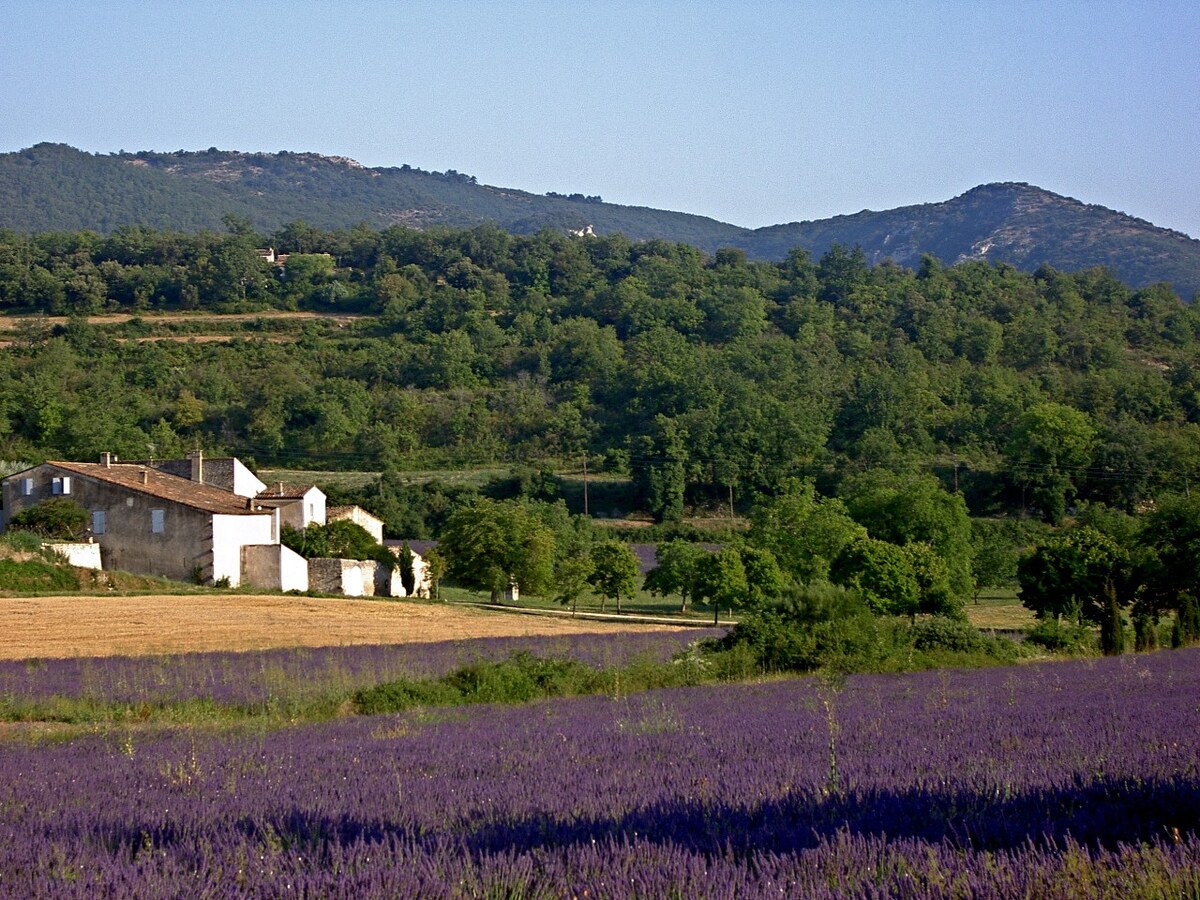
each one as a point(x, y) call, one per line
point(751, 112)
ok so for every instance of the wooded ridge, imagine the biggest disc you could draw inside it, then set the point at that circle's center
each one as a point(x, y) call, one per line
point(55, 187)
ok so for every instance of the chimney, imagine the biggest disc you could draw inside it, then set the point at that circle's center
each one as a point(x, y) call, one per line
point(145, 477)
point(281, 489)
point(106, 460)
point(196, 458)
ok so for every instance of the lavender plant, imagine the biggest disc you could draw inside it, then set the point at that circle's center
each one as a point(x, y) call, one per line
point(1062, 779)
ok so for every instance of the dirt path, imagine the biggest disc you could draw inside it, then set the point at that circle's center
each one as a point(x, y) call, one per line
point(112, 626)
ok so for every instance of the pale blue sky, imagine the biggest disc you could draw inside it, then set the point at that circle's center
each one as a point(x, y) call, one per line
point(754, 113)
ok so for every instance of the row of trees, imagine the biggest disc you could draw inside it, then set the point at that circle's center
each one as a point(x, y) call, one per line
point(904, 545)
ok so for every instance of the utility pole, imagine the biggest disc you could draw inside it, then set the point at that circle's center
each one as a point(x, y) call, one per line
point(731, 507)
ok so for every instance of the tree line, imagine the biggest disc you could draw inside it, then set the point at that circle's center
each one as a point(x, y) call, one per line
point(695, 375)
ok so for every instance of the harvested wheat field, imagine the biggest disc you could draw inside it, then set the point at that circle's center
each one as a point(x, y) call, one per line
point(130, 626)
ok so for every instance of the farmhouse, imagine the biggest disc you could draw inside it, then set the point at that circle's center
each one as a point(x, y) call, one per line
point(147, 520)
point(207, 520)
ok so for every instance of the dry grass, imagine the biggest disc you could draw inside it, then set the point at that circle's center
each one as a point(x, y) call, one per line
point(117, 626)
point(1000, 614)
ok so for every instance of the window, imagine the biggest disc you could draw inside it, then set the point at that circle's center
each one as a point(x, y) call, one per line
point(156, 521)
point(61, 485)
point(99, 521)
point(26, 487)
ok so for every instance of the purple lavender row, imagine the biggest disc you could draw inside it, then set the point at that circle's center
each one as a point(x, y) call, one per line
point(258, 676)
point(1026, 781)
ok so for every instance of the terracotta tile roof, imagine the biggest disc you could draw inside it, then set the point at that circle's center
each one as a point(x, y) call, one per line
point(284, 491)
point(163, 485)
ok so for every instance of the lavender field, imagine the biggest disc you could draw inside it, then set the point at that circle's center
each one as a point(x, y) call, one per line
point(1060, 779)
point(265, 676)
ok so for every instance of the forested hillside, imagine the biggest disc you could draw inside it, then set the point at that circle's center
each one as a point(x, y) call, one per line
point(693, 373)
point(54, 187)
point(51, 187)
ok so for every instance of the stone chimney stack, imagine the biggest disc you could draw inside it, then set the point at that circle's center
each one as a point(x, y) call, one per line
point(196, 458)
point(145, 477)
point(107, 459)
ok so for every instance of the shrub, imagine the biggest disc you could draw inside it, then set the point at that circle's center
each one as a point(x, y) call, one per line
point(1058, 637)
point(947, 634)
point(521, 678)
point(943, 635)
point(817, 625)
point(57, 518)
point(23, 541)
point(402, 694)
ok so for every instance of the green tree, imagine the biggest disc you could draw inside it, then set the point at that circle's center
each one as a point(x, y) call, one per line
point(935, 593)
point(765, 580)
point(572, 576)
point(490, 545)
point(917, 509)
point(804, 531)
point(675, 572)
point(1051, 445)
point(1081, 574)
point(882, 573)
point(614, 571)
point(1170, 567)
point(997, 549)
point(721, 580)
point(435, 568)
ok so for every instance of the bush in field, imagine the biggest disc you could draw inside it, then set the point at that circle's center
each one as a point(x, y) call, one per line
point(405, 693)
point(1062, 637)
point(940, 633)
point(519, 679)
point(57, 518)
point(817, 625)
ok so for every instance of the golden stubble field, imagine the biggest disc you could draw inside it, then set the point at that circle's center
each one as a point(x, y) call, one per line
point(125, 626)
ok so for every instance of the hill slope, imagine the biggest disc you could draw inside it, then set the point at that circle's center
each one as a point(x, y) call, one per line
point(52, 187)
point(55, 187)
point(1014, 223)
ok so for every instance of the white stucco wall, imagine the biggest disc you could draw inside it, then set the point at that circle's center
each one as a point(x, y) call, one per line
point(230, 535)
point(245, 482)
point(314, 507)
point(80, 555)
